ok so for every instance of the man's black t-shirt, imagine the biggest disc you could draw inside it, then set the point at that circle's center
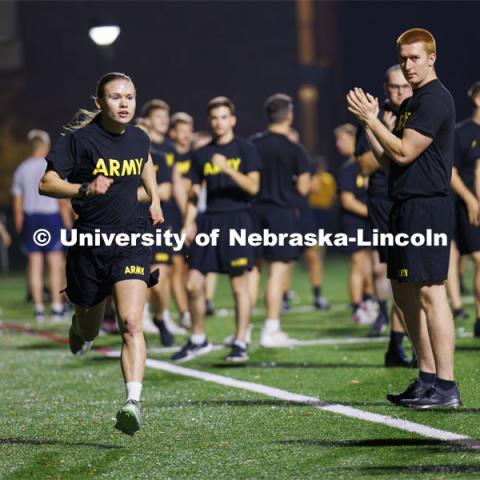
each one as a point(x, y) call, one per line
point(282, 161)
point(223, 194)
point(169, 154)
point(84, 154)
point(430, 111)
point(350, 180)
point(467, 151)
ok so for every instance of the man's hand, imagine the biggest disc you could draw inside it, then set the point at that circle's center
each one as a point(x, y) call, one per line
point(190, 231)
point(389, 120)
point(363, 106)
point(473, 210)
point(220, 160)
point(156, 213)
point(99, 186)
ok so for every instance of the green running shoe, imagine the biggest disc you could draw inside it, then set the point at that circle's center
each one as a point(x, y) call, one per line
point(129, 417)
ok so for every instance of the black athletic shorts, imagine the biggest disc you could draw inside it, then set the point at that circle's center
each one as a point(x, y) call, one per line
point(378, 213)
point(420, 263)
point(223, 257)
point(307, 223)
point(93, 271)
point(467, 235)
point(351, 224)
point(276, 220)
point(162, 254)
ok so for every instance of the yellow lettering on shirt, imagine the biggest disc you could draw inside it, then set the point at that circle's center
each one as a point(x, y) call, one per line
point(101, 168)
point(210, 169)
point(117, 168)
point(403, 273)
point(183, 167)
point(239, 262)
point(169, 159)
point(474, 143)
point(114, 167)
point(402, 121)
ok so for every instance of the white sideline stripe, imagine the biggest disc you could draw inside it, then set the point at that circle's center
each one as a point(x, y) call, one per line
point(177, 348)
point(344, 410)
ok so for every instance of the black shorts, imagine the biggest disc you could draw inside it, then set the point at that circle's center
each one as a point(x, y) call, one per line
point(162, 254)
point(307, 223)
point(378, 213)
point(351, 225)
point(420, 263)
point(276, 220)
point(467, 235)
point(223, 257)
point(93, 271)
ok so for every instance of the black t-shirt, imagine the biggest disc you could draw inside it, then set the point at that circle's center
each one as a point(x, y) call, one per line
point(301, 201)
point(467, 151)
point(223, 194)
point(378, 180)
point(350, 180)
point(91, 151)
point(169, 154)
point(183, 162)
point(282, 161)
point(430, 111)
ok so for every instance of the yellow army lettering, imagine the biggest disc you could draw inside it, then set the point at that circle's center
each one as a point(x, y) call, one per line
point(183, 167)
point(169, 159)
point(403, 273)
point(116, 168)
point(210, 169)
point(134, 269)
point(402, 121)
point(239, 262)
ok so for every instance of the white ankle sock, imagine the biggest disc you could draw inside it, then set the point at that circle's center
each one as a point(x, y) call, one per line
point(198, 339)
point(166, 315)
point(134, 390)
point(39, 307)
point(58, 307)
point(272, 324)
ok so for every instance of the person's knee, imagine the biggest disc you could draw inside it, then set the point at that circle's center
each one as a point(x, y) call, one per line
point(131, 326)
point(194, 286)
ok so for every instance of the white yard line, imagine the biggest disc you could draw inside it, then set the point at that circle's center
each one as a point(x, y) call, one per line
point(404, 425)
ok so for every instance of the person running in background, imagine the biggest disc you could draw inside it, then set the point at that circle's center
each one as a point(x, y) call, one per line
point(352, 190)
point(100, 164)
point(31, 212)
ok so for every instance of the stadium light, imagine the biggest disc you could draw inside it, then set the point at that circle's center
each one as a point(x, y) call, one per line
point(104, 35)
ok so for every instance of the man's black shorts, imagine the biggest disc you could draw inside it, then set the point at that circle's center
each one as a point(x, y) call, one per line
point(378, 213)
point(276, 220)
point(222, 258)
point(307, 223)
point(93, 271)
point(420, 263)
point(351, 225)
point(162, 254)
point(467, 235)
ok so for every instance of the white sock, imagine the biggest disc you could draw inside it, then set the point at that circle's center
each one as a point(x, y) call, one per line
point(272, 324)
point(58, 307)
point(39, 307)
point(198, 338)
point(166, 315)
point(240, 344)
point(134, 390)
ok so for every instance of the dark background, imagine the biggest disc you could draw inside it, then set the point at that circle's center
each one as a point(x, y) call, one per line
point(187, 52)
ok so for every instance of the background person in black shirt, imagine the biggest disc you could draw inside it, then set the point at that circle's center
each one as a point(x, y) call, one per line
point(229, 166)
point(397, 89)
point(419, 155)
point(100, 165)
point(285, 173)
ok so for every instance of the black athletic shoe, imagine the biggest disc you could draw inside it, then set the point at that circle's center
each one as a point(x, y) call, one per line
point(209, 308)
point(190, 350)
point(435, 397)
point(379, 326)
point(476, 330)
point(460, 314)
point(414, 391)
point(166, 338)
point(78, 346)
point(396, 358)
point(238, 354)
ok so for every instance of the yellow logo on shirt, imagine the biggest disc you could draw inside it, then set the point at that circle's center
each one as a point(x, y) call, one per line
point(117, 168)
point(360, 181)
point(474, 144)
point(402, 121)
point(169, 159)
point(403, 273)
point(210, 169)
point(134, 269)
point(183, 166)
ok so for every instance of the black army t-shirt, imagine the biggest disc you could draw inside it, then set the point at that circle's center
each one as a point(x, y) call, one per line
point(223, 194)
point(350, 180)
point(282, 161)
point(91, 151)
point(467, 151)
point(430, 111)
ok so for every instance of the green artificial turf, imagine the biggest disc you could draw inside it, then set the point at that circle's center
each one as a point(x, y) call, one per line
point(57, 411)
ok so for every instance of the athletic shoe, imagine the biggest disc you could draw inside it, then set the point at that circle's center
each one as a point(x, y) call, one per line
point(396, 358)
point(129, 418)
point(476, 330)
point(228, 341)
point(436, 397)
point(57, 316)
point(321, 303)
point(278, 338)
point(190, 351)
point(78, 346)
point(209, 308)
point(185, 321)
point(361, 317)
point(413, 392)
point(166, 338)
point(238, 354)
point(460, 314)
point(39, 316)
point(379, 326)
point(371, 307)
